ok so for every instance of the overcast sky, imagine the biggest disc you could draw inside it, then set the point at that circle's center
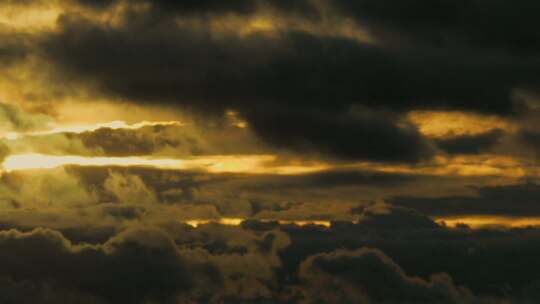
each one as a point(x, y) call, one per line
point(269, 151)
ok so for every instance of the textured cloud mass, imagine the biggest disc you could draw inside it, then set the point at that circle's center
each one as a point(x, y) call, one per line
point(269, 151)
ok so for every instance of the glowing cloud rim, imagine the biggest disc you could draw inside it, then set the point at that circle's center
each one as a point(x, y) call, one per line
point(252, 164)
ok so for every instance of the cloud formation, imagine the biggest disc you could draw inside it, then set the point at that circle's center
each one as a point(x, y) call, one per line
point(316, 146)
point(367, 275)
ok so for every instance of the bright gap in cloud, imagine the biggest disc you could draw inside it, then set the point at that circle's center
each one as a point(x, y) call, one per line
point(238, 221)
point(252, 164)
point(476, 222)
point(473, 222)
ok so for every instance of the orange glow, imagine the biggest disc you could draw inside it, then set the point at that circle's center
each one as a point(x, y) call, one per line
point(484, 221)
point(474, 222)
point(238, 222)
point(40, 161)
point(253, 164)
point(441, 124)
point(39, 17)
point(484, 165)
point(326, 224)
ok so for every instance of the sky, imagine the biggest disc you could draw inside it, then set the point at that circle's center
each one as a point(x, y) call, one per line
point(269, 151)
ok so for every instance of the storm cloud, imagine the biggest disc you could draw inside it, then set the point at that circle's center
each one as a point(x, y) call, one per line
point(297, 80)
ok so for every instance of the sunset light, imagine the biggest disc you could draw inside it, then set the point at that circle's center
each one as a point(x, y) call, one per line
point(269, 151)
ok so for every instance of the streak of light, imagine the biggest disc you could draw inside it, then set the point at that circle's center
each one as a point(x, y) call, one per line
point(486, 221)
point(239, 221)
point(252, 164)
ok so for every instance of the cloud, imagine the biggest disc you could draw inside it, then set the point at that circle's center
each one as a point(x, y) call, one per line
point(47, 189)
point(488, 25)
point(143, 141)
point(387, 217)
point(466, 255)
point(38, 133)
point(212, 7)
point(248, 260)
point(504, 200)
point(13, 48)
point(16, 119)
point(364, 74)
point(134, 267)
point(44, 292)
point(470, 144)
point(369, 276)
point(291, 79)
point(349, 136)
point(269, 262)
point(294, 78)
point(530, 138)
point(130, 189)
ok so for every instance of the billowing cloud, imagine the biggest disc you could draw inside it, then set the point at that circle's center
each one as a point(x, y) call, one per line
point(441, 250)
point(363, 74)
point(269, 151)
point(367, 275)
point(136, 266)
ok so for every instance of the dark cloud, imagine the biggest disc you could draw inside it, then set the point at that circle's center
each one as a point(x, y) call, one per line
point(349, 136)
point(488, 262)
point(492, 25)
point(297, 90)
point(258, 262)
point(127, 235)
point(13, 48)
point(123, 212)
point(530, 138)
point(368, 275)
point(9, 54)
point(510, 200)
point(166, 140)
point(488, 25)
point(470, 144)
point(386, 218)
point(293, 69)
point(134, 267)
point(45, 292)
point(334, 178)
point(213, 7)
point(268, 196)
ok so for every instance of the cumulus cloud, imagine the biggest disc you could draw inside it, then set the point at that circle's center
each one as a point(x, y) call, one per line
point(129, 189)
point(170, 262)
point(134, 267)
point(48, 189)
point(369, 276)
point(13, 48)
point(466, 255)
point(331, 83)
